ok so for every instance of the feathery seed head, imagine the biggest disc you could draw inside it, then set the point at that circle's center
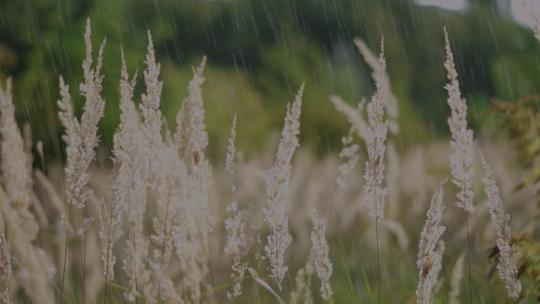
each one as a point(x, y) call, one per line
point(16, 167)
point(431, 248)
point(278, 176)
point(376, 145)
point(81, 137)
point(462, 155)
point(231, 148)
point(320, 251)
point(505, 265)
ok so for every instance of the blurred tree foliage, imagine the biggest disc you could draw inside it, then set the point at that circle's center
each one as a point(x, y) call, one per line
point(260, 52)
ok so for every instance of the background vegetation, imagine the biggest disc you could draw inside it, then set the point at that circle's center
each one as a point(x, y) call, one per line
point(259, 52)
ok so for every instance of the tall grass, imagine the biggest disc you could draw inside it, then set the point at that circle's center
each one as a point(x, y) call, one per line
point(162, 225)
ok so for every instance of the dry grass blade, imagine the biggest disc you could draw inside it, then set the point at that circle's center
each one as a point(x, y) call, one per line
point(391, 102)
point(505, 266)
point(37, 286)
point(349, 154)
point(125, 147)
point(5, 268)
point(265, 285)
point(81, 138)
point(320, 251)
point(431, 249)
point(195, 219)
point(235, 224)
point(461, 159)
point(354, 116)
point(376, 144)
point(455, 283)
point(15, 166)
point(278, 177)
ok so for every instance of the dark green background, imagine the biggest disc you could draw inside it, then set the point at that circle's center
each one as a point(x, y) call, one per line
point(260, 52)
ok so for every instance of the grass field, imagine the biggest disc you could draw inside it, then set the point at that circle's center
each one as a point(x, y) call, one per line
point(453, 220)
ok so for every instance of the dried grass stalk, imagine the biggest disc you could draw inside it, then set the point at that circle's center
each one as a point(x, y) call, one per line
point(33, 274)
point(194, 220)
point(278, 178)
point(354, 116)
point(236, 246)
point(15, 165)
point(5, 268)
point(390, 99)
point(81, 137)
point(130, 191)
point(236, 223)
point(124, 150)
point(376, 144)
point(431, 249)
point(462, 155)
point(349, 154)
point(320, 252)
point(151, 113)
point(505, 265)
point(302, 289)
point(455, 282)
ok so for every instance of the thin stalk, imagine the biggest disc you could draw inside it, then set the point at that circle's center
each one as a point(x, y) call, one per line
point(105, 294)
point(274, 231)
point(469, 260)
point(163, 242)
point(262, 283)
point(107, 257)
point(378, 263)
point(64, 268)
point(84, 269)
point(70, 215)
point(133, 228)
point(135, 272)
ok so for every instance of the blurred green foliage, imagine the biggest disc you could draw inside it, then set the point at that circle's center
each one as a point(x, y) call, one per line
point(260, 52)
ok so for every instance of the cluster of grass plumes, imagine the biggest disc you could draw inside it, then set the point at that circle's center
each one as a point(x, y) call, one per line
point(162, 225)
